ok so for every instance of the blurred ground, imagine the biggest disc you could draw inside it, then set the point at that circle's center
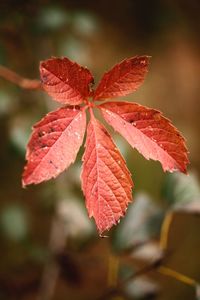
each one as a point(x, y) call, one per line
point(49, 247)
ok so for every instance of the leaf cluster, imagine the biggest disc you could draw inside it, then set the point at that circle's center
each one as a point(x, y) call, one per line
point(56, 139)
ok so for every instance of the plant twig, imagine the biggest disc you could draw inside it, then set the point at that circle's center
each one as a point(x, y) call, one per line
point(178, 276)
point(165, 230)
point(118, 289)
point(24, 83)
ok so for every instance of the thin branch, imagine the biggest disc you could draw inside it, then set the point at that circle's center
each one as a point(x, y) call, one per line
point(163, 245)
point(178, 276)
point(24, 83)
point(165, 230)
point(118, 290)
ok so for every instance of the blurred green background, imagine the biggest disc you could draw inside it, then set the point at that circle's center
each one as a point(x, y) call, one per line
point(49, 247)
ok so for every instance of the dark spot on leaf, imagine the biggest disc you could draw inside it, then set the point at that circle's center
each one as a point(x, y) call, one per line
point(52, 163)
point(43, 145)
point(131, 120)
point(40, 134)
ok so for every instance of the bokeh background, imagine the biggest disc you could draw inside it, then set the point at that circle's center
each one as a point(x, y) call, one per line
point(49, 247)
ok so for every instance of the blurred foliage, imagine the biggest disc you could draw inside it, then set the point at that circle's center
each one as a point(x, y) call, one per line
point(180, 190)
point(147, 218)
point(49, 247)
point(14, 223)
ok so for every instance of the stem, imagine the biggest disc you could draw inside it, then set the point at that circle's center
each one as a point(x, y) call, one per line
point(178, 276)
point(118, 289)
point(91, 112)
point(165, 230)
point(24, 83)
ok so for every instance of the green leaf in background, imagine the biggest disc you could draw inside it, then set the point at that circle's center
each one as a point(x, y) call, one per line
point(85, 24)
point(141, 223)
point(74, 48)
point(180, 190)
point(13, 221)
point(20, 131)
point(7, 103)
point(74, 219)
point(53, 18)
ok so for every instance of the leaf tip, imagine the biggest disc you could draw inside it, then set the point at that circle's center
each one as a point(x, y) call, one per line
point(24, 185)
point(103, 235)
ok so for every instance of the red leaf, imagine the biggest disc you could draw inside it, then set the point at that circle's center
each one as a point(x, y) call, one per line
point(106, 181)
point(66, 81)
point(149, 132)
point(123, 79)
point(54, 144)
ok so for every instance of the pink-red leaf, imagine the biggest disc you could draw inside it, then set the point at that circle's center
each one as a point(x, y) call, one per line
point(54, 144)
point(149, 132)
point(106, 181)
point(123, 79)
point(66, 81)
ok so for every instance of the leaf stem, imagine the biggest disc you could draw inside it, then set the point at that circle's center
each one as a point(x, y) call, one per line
point(91, 112)
point(24, 83)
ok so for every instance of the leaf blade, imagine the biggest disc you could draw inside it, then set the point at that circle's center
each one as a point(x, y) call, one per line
point(106, 181)
point(54, 144)
point(123, 79)
point(65, 81)
point(149, 132)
